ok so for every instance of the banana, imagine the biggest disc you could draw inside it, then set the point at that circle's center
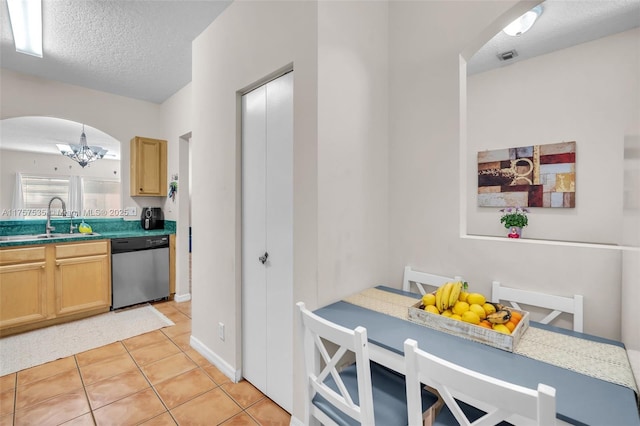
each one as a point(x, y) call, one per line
point(446, 292)
point(455, 293)
point(499, 307)
point(439, 298)
point(499, 317)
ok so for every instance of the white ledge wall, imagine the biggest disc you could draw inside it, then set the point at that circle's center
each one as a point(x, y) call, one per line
point(584, 94)
point(425, 43)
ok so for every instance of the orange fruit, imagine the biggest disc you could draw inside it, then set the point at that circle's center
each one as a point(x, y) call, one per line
point(516, 317)
point(510, 325)
point(485, 324)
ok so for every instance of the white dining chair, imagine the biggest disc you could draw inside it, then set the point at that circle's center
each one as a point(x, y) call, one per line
point(363, 393)
point(557, 304)
point(420, 279)
point(471, 397)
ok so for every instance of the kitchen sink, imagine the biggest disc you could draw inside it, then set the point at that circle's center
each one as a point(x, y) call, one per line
point(30, 237)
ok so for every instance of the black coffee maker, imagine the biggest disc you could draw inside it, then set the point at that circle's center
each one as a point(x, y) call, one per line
point(152, 218)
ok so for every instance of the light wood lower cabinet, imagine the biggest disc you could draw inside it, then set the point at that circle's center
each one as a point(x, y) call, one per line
point(82, 277)
point(53, 283)
point(23, 286)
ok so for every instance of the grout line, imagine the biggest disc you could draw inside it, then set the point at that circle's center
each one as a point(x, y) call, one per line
point(84, 389)
point(15, 398)
point(139, 369)
point(150, 384)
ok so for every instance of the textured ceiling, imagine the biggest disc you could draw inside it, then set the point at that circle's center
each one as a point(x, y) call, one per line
point(563, 23)
point(142, 49)
point(139, 49)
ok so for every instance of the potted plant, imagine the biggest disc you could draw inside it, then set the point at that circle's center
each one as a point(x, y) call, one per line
point(514, 219)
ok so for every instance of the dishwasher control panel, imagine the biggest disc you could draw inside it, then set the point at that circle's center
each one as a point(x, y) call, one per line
point(122, 245)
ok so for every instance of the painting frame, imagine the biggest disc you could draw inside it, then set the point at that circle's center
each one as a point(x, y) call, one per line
point(528, 176)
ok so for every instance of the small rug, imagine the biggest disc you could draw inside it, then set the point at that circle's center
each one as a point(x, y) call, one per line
point(600, 360)
point(47, 344)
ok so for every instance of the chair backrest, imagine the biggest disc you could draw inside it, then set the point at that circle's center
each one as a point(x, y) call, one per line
point(557, 304)
point(423, 278)
point(317, 331)
point(499, 399)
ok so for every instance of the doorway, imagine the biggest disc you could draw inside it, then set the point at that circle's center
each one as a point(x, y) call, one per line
point(183, 225)
point(267, 239)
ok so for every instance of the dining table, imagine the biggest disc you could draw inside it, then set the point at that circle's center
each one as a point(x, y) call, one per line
point(591, 375)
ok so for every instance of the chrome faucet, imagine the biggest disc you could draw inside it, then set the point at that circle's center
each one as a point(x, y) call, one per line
point(72, 227)
point(64, 213)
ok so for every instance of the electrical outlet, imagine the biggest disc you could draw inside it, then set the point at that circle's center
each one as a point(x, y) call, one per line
point(130, 211)
point(221, 331)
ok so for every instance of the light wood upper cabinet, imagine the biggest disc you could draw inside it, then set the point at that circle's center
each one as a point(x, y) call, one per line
point(23, 286)
point(148, 167)
point(82, 277)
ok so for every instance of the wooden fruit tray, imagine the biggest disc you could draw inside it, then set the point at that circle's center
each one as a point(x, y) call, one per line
point(469, 331)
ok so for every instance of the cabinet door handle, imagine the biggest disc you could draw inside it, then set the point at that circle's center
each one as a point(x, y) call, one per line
point(263, 258)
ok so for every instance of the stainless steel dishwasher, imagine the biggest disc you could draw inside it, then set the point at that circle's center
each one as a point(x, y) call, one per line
point(139, 270)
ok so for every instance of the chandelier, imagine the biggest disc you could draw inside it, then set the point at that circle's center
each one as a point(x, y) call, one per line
point(82, 153)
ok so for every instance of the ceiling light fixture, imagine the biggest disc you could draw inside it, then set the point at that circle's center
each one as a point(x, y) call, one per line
point(26, 24)
point(82, 153)
point(523, 23)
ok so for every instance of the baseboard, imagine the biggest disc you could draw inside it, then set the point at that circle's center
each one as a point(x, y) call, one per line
point(182, 297)
point(213, 358)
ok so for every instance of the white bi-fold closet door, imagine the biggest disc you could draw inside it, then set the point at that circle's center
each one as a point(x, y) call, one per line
point(267, 239)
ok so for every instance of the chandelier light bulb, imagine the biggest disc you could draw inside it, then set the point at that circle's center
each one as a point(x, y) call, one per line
point(82, 153)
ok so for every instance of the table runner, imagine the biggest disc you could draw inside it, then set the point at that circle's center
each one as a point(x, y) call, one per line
point(599, 360)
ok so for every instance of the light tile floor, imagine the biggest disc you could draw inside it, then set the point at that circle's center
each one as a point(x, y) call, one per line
point(152, 379)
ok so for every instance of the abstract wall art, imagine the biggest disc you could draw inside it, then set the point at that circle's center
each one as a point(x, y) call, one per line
point(528, 176)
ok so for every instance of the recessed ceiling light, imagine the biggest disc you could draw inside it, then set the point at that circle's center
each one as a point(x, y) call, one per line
point(523, 23)
point(26, 24)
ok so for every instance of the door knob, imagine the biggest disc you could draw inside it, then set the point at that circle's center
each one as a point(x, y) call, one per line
point(264, 257)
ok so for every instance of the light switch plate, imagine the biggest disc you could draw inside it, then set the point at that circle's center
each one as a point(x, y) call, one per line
point(221, 331)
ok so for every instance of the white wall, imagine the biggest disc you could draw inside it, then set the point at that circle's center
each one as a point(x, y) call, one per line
point(12, 162)
point(587, 93)
point(340, 154)
point(247, 43)
point(176, 113)
point(426, 169)
point(353, 98)
point(118, 116)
